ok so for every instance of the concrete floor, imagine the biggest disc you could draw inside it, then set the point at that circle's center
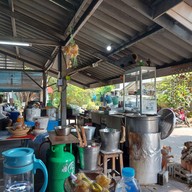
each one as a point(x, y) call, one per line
point(176, 141)
point(171, 186)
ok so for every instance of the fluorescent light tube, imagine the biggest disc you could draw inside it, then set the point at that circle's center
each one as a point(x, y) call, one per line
point(15, 43)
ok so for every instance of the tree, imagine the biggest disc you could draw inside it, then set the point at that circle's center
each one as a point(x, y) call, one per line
point(78, 96)
point(175, 91)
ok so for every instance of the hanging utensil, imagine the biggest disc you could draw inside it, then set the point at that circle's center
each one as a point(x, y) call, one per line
point(123, 135)
point(79, 136)
point(84, 136)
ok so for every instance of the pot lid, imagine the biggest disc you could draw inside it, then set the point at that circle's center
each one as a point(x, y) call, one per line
point(18, 157)
point(166, 122)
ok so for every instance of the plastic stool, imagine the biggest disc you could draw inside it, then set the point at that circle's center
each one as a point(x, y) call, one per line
point(106, 156)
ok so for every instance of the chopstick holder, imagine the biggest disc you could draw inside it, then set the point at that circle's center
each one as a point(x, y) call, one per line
point(84, 136)
point(79, 136)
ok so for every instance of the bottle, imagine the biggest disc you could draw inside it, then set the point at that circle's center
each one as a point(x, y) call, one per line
point(128, 182)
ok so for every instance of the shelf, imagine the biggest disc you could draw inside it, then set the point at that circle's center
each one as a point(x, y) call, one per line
point(143, 90)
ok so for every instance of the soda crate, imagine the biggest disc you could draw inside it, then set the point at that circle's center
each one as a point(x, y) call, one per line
point(171, 166)
point(181, 174)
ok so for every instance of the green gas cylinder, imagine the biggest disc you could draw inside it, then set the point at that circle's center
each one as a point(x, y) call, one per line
point(60, 165)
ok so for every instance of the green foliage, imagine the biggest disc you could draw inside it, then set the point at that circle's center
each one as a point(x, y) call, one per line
point(55, 97)
point(81, 97)
point(102, 91)
point(174, 91)
point(78, 96)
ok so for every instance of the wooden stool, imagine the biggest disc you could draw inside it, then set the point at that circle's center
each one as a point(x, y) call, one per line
point(110, 155)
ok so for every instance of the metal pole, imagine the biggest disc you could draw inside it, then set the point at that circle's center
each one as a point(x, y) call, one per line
point(62, 69)
point(44, 87)
point(141, 90)
point(123, 92)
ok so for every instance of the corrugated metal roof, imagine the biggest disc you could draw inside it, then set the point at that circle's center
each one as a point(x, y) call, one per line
point(19, 81)
point(148, 29)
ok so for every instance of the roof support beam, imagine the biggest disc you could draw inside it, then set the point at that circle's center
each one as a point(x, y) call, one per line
point(64, 4)
point(175, 28)
point(32, 79)
point(49, 62)
point(86, 15)
point(13, 55)
point(181, 13)
point(151, 30)
point(79, 84)
point(111, 81)
point(72, 71)
point(168, 69)
point(13, 25)
point(141, 36)
point(36, 51)
point(178, 63)
point(162, 7)
point(27, 70)
point(72, 22)
point(165, 21)
point(30, 21)
point(187, 67)
point(92, 77)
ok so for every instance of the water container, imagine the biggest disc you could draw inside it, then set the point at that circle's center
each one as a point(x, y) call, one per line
point(19, 167)
point(128, 182)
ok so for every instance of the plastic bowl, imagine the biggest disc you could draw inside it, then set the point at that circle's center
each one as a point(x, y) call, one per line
point(62, 131)
point(39, 131)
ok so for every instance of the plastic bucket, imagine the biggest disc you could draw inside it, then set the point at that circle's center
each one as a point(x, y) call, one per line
point(110, 139)
point(88, 157)
point(41, 122)
point(89, 132)
point(32, 112)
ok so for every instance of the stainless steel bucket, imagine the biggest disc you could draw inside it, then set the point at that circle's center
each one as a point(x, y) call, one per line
point(143, 123)
point(89, 132)
point(88, 157)
point(109, 139)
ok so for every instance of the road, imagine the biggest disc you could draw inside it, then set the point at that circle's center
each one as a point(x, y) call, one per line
point(176, 141)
